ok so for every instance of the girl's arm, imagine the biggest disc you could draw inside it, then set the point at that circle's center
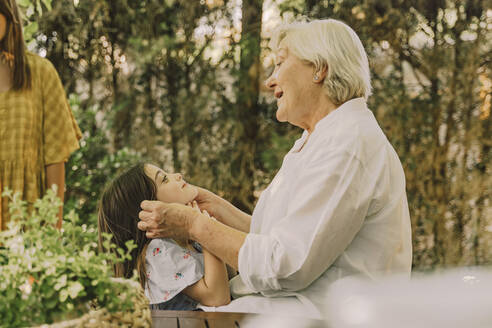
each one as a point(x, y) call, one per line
point(213, 288)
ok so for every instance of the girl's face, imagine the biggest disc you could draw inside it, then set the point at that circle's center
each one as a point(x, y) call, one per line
point(171, 188)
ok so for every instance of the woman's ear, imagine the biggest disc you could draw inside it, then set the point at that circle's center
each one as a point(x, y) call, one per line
point(320, 74)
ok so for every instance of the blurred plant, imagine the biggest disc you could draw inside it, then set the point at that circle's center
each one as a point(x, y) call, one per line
point(50, 275)
point(31, 10)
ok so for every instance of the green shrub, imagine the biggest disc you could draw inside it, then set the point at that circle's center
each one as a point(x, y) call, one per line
point(49, 275)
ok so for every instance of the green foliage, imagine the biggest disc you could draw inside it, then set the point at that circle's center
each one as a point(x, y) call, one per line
point(173, 104)
point(32, 9)
point(91, 167)
point(272, 157)
point(50, 275)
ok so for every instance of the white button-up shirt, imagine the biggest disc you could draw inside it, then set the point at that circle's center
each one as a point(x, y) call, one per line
point(337, 207)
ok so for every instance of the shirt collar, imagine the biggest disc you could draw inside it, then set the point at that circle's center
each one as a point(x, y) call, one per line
point(352, 105)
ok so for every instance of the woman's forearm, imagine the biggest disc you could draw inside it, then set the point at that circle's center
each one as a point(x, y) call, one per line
point(55, 174)
point(235, 218)
point(230, 215)
point(220, 239)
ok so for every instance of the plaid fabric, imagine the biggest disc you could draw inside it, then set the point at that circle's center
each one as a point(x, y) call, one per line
point(37, 128)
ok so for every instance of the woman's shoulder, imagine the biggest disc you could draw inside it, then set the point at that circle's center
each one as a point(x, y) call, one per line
point(358, 141)
point(41, 66)
point(36, 60)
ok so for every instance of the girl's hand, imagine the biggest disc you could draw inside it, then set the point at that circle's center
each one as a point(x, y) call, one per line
point(222, 210)
point(195, 206)
point(208, 201)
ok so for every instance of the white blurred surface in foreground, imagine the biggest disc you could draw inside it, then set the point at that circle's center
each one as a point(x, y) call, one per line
point(455, 298)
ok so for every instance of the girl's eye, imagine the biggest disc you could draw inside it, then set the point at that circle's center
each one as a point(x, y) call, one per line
point(278, 64)
point(165, 179)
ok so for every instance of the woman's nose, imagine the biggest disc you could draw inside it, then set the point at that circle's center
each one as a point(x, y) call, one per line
point(178, 176)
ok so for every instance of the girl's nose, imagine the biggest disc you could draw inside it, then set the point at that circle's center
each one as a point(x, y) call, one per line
point(178, 176)
point(270, 83)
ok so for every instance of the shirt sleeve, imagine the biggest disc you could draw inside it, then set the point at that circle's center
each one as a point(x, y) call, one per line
point(60, 130)
point(329, 206)
point(170, 269)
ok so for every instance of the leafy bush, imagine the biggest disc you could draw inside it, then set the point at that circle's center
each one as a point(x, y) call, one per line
point(50, 275)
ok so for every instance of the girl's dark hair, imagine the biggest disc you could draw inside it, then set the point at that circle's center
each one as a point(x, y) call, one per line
point(13, 45)
point(118, 215)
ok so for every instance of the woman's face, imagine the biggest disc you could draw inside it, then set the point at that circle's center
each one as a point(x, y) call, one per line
point(292, 85)
point(171, 188)
point(3, 26)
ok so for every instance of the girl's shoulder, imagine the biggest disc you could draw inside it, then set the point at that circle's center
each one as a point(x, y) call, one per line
point(162, 249)
point(170, 268)
point(163, 242)
point(158, 245)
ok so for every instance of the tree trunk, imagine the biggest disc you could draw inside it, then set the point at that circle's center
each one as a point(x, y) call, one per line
point(242, 165)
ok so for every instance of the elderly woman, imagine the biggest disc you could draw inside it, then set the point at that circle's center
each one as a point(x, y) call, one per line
point(337, 206)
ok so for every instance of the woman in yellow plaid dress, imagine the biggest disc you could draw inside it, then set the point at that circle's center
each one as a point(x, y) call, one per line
point(37, 128)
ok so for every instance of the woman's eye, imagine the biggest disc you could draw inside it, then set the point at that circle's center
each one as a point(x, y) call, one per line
point(278, 64)
point(165, 179)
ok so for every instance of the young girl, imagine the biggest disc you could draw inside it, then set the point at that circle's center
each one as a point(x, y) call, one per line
point(174, 276)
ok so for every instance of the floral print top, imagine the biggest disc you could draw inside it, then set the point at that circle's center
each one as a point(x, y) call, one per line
point(170, 268)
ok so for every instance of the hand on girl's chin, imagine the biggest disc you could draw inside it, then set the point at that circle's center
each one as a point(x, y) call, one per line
point(195, 192)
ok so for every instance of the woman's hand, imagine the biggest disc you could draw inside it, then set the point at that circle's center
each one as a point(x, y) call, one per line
point(183, 223)
point(161, 220)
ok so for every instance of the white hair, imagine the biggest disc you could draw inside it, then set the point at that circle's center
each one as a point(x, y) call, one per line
point(333, 45)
